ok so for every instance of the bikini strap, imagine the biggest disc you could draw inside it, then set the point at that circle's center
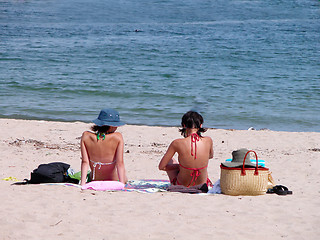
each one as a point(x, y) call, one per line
point(94, 164)
point(99, 134)
point(194, 139)
point(194, 174)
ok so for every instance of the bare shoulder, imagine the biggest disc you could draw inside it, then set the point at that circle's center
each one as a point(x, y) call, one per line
point(117, 136)
point(86, 135)
point(177, 142)
point(207, 139)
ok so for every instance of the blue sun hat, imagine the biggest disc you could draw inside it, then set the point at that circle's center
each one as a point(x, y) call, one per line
point(108, 117)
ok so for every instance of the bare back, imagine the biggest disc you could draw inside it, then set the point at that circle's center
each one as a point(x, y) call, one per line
point(103, 155)
point(196, 157)
point(193, 159)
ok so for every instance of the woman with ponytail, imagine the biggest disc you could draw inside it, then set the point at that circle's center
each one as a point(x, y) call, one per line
point(194, 152)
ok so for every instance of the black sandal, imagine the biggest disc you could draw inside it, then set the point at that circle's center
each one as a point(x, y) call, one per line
point(280, 190)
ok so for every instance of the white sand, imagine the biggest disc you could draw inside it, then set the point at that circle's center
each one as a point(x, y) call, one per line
point(58, 212)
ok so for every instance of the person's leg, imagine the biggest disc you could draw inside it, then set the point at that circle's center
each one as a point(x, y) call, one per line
point(172, 169)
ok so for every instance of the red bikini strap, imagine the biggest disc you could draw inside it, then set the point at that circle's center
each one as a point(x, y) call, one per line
point(194, 139)
point(194, 169)
point(194, 174)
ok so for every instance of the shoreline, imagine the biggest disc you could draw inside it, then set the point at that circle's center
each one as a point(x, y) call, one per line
point(164, 126)
point(38, 211)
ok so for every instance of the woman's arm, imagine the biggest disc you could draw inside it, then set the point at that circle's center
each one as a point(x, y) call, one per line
point(119, 161)
point(84, 161)
point(163, 165)
point(211, 148)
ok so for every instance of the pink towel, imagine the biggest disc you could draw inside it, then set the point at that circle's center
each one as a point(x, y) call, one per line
point(103, 185)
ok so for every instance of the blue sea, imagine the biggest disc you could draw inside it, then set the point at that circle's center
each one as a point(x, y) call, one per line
point(240, 63)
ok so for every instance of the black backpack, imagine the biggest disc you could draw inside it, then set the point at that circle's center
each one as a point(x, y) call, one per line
point(55, 172)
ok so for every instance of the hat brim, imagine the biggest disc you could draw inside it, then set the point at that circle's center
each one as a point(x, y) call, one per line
point(238, 164)
point(100, 123)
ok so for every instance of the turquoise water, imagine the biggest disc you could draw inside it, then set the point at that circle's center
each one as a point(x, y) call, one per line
point(240, 63)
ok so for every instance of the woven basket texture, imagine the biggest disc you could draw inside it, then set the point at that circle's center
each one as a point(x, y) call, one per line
point(233, 183)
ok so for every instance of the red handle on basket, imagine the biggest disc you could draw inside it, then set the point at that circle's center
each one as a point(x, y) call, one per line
point(243, 171)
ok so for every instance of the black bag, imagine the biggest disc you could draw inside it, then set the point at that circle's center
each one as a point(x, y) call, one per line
point(55, 172)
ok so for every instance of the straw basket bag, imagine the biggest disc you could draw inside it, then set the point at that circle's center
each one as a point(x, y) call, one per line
point(244, 181)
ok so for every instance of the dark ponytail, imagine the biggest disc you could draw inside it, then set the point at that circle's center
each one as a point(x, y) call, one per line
point(191, 119)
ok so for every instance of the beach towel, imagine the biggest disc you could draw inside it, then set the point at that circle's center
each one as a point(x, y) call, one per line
point(216, 189)
point(147, 185)
point(202, 188)
point(104, 185)
point(142, 186)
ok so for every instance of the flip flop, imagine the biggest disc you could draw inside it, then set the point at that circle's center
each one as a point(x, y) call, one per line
point(280, 190)
point(271, 190)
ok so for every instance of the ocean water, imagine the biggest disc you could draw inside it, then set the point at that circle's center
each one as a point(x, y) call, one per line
point(239, 63)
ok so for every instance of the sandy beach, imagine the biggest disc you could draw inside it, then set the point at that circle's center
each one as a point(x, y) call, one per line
point(60, 212)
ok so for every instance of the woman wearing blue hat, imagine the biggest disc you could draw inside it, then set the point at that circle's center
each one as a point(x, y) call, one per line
point(102, 150)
